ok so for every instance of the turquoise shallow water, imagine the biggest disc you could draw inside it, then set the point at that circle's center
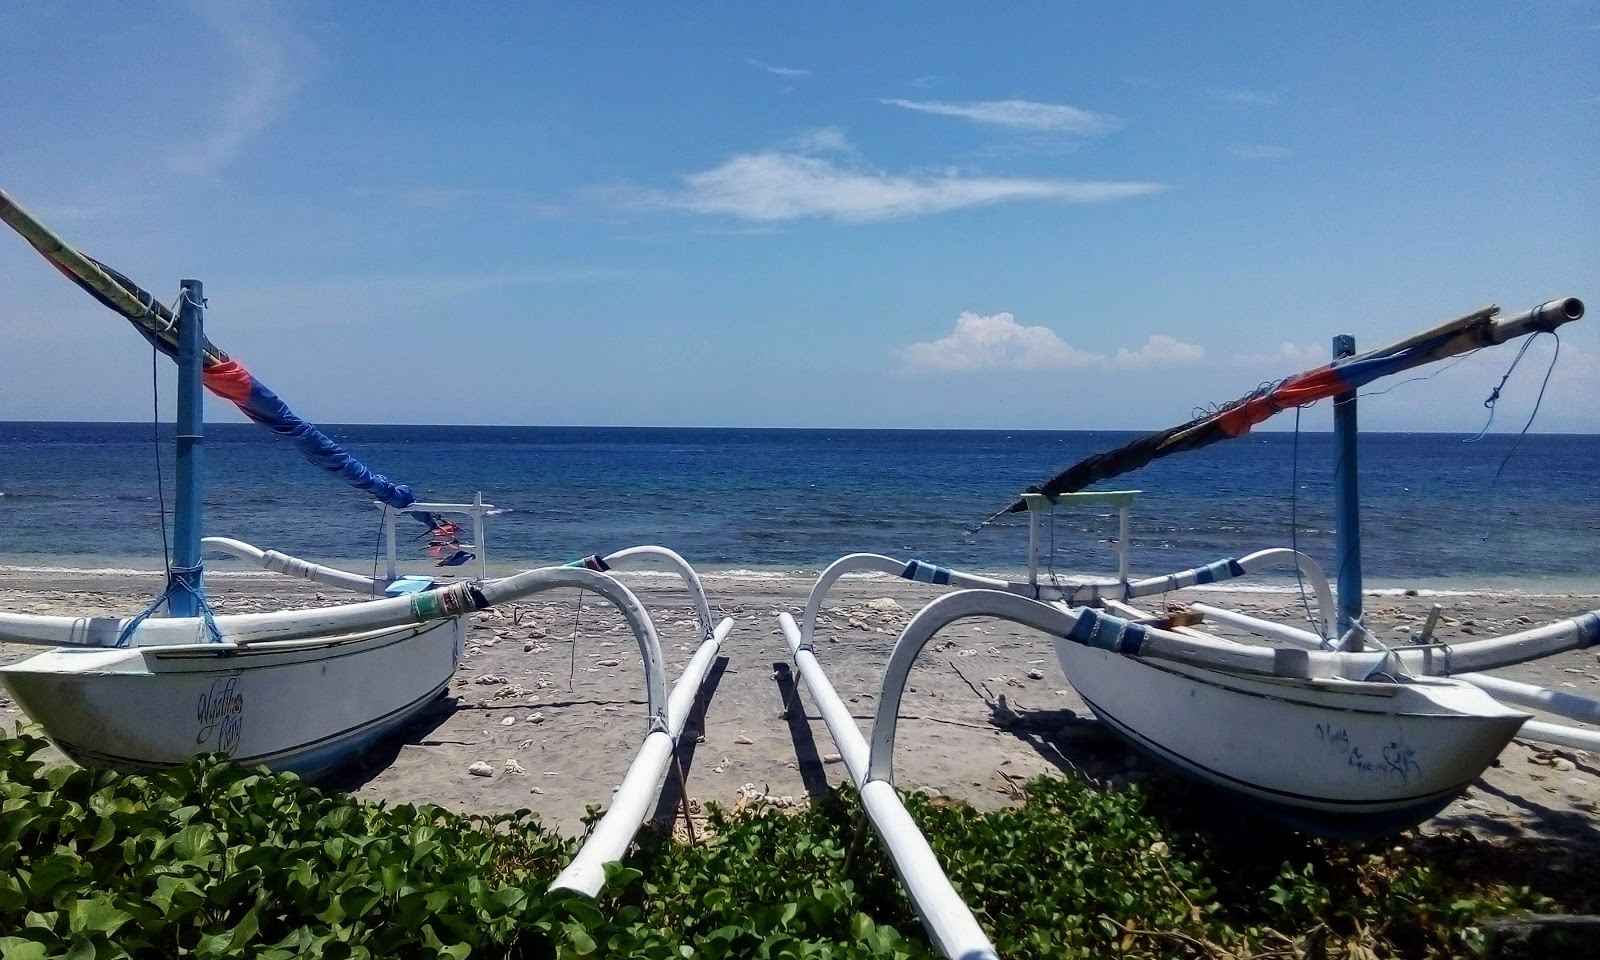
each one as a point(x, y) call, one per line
point(84, 496)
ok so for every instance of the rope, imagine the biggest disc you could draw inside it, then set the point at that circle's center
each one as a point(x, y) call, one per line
point(207, 614)
point(1294, 531)
point(155, 440)
point(1494, 395)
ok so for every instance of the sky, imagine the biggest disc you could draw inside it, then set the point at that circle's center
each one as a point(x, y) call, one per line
point(1037, 215)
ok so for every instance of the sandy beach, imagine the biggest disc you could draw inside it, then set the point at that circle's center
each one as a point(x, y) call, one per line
point(551, 696)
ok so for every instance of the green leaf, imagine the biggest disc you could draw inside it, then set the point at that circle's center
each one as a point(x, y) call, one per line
point(95, 915)
point(16, 948)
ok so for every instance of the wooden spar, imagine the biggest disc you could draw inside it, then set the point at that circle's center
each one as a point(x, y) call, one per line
point(66, 258)
point(1469, 332)
point(1449, 326)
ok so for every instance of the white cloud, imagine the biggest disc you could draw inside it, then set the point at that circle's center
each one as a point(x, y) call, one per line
point(1259, 98)
point(788, 73)
point(995, 342)
point(1260, 151)
point(1288, 358)
point(269, 57)
point(1018, 115)
point(999, 342)
point(772, 186)
point(821, 140)
point(1159, 350)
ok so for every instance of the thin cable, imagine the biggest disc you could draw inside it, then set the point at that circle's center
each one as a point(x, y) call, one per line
point(383, 521)
point(1392, 386)
point(1494, 395)
point(572, 662)
point(1294, 531)
point(1536, 404)
point(155, 436)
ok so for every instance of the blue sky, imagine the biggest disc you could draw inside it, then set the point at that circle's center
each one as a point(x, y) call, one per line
point(831, 214)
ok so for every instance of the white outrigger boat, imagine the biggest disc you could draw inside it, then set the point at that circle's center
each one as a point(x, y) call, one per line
point(1324, 728)
point(302, 690)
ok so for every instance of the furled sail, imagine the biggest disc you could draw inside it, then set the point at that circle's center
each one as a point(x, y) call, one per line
point(222, 375)
point(1461, 335)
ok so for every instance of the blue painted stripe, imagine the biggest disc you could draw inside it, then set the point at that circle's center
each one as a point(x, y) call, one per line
point(1588, 628)
point(925, 573)
point(1202, 574)
point(1105, 632)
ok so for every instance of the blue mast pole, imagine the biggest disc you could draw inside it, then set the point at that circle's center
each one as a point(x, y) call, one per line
point(1347, 501)
point(184, 587)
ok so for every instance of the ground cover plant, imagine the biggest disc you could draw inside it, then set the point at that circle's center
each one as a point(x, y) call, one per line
point(209, 860)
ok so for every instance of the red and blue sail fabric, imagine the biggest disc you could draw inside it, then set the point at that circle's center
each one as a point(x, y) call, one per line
point(1236, 418)
point(228, 379)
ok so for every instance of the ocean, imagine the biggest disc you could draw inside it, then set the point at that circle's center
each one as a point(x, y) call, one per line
point(83, 496)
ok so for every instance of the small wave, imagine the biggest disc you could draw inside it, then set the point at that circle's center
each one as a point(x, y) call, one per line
point(497, 511)
point(126, 571)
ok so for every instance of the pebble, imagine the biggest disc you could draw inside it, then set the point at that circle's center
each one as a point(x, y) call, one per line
point(481, 769)
point(508, 721)
point(607, 663)
point(490, 679)
point(886, 605)
point(512, 766)
point(742, 739)
point(1035, 674)
point(831, 758)
point(536, 718)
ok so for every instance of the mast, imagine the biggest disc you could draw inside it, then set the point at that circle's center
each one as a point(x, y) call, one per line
point(185, 591)
point(1347, 501)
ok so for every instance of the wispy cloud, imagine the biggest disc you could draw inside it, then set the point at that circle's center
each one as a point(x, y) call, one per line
point(1017, 115)
point(1260, 151)
point(788, 73)
point(268, 56)
point(773, 186)
point(999, 342)
point(821, 140)
point(925, 82)
point(1259, 98)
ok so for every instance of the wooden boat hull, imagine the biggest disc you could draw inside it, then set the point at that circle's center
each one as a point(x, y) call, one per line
point(302, 705)
point(1333, 757)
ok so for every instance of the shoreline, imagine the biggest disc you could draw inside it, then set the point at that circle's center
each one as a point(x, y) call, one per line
point(109, 573)
point(566, 677)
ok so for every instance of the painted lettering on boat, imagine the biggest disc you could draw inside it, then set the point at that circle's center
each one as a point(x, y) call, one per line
point(1394, 759)
point(220, 711)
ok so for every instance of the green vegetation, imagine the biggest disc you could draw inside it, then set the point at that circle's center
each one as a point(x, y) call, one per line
point(210, 860)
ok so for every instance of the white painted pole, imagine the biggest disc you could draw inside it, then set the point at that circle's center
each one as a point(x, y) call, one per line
point(1569, 705)
point(640, 785)
point(1560, 735)
point(1258, 626)
point(949, 923)
point(292, 566)
point(1122, 545)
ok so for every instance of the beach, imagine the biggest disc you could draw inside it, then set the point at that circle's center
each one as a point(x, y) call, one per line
point(550, 696)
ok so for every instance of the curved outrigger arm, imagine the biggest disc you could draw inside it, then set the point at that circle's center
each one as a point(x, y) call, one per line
point(1076, 594)
point(1090, 627)
point(293, 566)
point(632, 556)
point(290, 625)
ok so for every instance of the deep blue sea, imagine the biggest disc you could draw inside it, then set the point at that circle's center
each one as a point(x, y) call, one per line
point(83, 495)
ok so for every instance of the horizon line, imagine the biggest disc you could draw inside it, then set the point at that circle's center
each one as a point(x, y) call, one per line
point(594, 426)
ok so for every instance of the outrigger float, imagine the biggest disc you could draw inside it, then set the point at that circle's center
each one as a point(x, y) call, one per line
point(304, 690)
point(1323, 727)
